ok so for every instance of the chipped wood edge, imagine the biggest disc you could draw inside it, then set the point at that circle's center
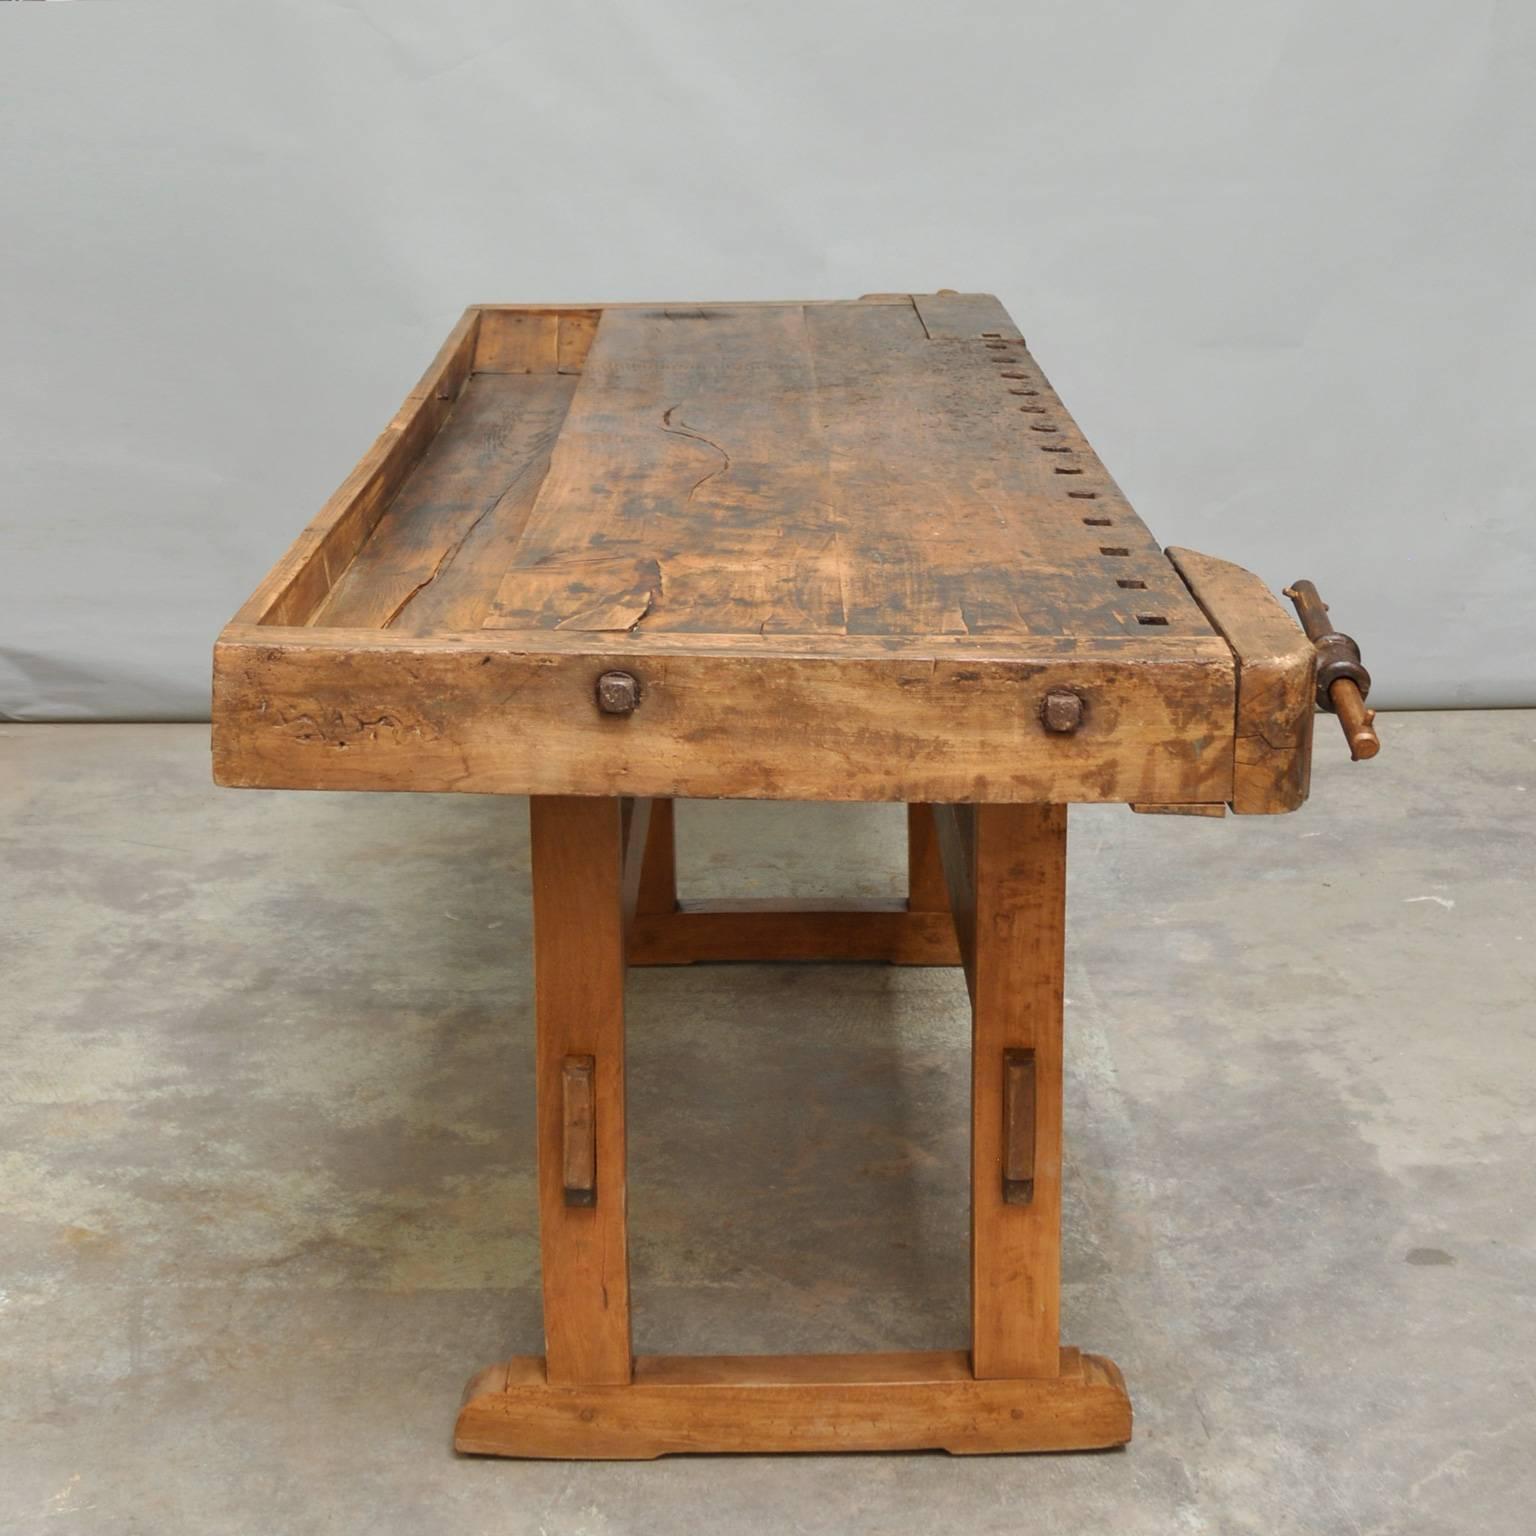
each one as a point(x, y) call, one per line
point(1276, 681)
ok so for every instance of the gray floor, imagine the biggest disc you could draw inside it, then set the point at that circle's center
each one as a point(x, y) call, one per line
point(266, 1156)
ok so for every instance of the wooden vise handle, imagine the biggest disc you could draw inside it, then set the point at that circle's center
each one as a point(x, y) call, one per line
point(1342, 682)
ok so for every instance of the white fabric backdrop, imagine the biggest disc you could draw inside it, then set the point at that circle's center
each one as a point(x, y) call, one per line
point(1277, 257)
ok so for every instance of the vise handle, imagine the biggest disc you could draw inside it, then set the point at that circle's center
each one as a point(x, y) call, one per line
point(1342, 682)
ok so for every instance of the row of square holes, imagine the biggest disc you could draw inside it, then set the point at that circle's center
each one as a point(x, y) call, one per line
point(1021, 384)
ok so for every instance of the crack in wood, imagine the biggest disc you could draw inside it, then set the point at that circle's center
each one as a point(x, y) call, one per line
point(682, 429)
point(538, 461)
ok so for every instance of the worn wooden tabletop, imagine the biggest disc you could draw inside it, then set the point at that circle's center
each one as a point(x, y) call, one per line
point(885, 469)
point(845, 550)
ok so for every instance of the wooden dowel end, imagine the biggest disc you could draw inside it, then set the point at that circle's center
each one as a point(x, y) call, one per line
point(1357, 721)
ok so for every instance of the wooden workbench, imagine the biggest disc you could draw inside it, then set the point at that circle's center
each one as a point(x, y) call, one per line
point(611, 556)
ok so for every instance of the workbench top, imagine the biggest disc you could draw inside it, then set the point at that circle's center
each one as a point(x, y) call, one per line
point(844, 550)
point(836, 469)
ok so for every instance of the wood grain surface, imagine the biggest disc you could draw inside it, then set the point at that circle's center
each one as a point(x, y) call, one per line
point(341, 709)
point(829, 469)
point(845, 548)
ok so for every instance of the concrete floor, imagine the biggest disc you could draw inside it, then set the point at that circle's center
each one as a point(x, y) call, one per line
point(266, 1156)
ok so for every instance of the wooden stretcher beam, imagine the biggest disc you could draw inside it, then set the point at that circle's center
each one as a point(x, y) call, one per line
point(771, 929)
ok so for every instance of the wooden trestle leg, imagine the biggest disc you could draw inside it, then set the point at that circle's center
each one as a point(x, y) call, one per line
point(1007, 872)
point(578, 976)
point(599, 879)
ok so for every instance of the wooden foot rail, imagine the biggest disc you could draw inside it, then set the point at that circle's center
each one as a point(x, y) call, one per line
point(927, 1400)
point(987, 890)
